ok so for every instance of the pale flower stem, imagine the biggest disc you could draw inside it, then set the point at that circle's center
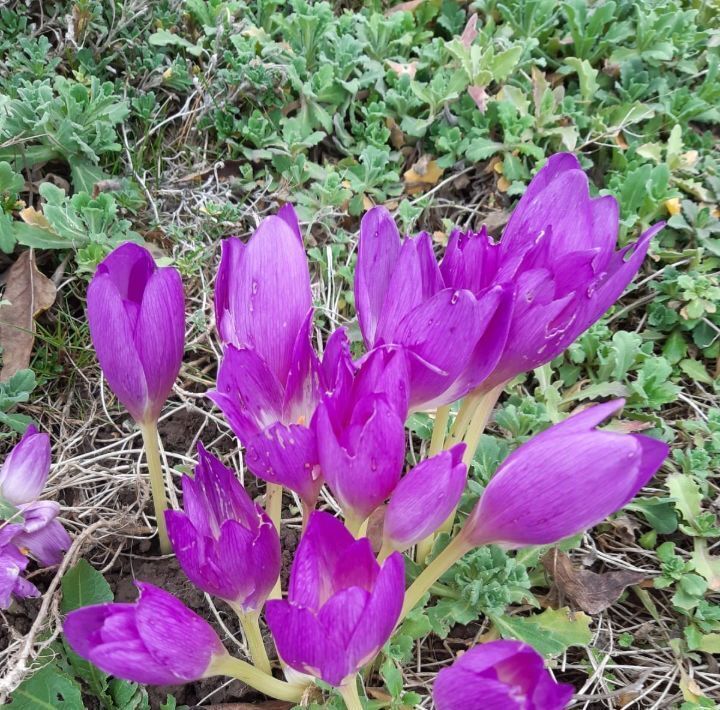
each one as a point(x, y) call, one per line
point(354, 524)
point(273, 507)
point(424, 547)
point(436, 569)
point(255, 678)
point(385, 552)
point(157, 482)
point(462, 419)
point(478, 422)
point(250, 622)
point(350, 695)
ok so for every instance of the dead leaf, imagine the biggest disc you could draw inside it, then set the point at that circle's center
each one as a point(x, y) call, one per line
point(110, 185)
point(27, 294)
point(479, 96)
point(34, 218)
point(503, 184)
point(470, 32)
point(673, 206)
point(590, 591)
point(404, 7)
point(620, 141)
point(397, 137)
point(423, 174)
point(409, 69)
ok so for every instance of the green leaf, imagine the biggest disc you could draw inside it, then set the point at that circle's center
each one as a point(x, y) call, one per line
point(696, 370)
point(686, 493)
point(586, 74)
point(82, 586)
point(503, 63)
point(549, 633)
point(48, 689)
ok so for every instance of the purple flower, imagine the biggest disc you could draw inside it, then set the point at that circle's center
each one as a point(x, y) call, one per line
point(424, 498)
point(361, 435)
point(155, 641)
point(270, 380)
point(453, 335)
point(225, 543)
point(12, 565)
point(136, 313)
point(504, 675)
point(563, 481)
point(559, 250)
point(22, 479)
point(341, 607)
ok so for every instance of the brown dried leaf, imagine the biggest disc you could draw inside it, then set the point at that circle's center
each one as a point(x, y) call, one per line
point(32, 217)
point(589, 591)
point(409, 69)
point(425, 173)
point(27, 294)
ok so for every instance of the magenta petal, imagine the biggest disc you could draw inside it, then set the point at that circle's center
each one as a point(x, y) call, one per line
point(342, 613)
point(447, 318)
point(26, 468)
point(362, 478)
point(304, 644)
point(337, 366)
point(12, 565)
point(287, 455)
point(83, 627)
point(129, 267)
point(247, 392)
point(232, 251)
point(113, 338)
point(325, 542)
point(424, 498)
point(47, 544)
point(269, 296)
point(378, 251)
point(129, 660)
point(501, 675)
point(173, 635)
point(160, 335)
point(289, 216)
point(561, 482)
point(381, 613)
point(303, 387)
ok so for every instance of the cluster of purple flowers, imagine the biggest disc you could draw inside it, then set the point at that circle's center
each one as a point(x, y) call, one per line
point(29, 526)
point(435, 332)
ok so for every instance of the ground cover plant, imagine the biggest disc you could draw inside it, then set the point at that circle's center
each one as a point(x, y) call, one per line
point(446, 371)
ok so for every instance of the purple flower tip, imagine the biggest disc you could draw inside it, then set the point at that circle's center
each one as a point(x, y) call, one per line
point(136, 314)
point(500, 674)
point(155, 641)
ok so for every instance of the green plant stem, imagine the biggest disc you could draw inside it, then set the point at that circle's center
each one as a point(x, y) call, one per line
point(353, 524)
point(250, 622)
point(442, 563)
point(442, 414)
point(350, 695)
point(273, 507)
point(255, 678)
point(483, 409)
point(157, 482)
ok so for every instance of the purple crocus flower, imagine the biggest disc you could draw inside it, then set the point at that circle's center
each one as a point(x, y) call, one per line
point(361, 435)
point(424, 499)
point(12, 565)
point(136, 313)
point(559, 250)
point(453, 335)
point(500, 675)
point(224, 542)
point(22, 479)
point(563, 481)
point(155, 641)
point(341, 607)
point(270, 380)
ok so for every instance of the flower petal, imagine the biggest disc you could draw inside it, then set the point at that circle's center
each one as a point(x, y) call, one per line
point(26, 468)
point(378, 251)
point(174, 636)
point(232, 251)
point(287, 455)
point(129, 267)
point(160, 335)
point(269, 296)
point(424, 498)
point(303, 643)
point(47, 544)
point(113, 338)
point(247, 392)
